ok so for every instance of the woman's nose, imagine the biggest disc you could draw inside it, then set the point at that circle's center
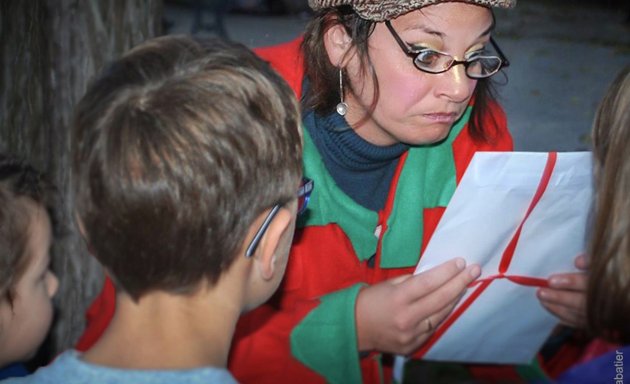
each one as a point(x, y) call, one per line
point(455, 85)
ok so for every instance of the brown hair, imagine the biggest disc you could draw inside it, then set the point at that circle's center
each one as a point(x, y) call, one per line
point(323, 92)
point(178, 147)
point(19, 183)
point(608, 295)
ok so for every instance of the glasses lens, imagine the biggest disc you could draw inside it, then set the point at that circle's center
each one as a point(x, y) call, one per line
point(302, 202)
point(432, 61)
point(483, 66)
point(304, 193)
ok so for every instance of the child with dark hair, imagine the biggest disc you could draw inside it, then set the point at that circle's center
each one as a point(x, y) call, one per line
point(187, 169)
point(27, 285)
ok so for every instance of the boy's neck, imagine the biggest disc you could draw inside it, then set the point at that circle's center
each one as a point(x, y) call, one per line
point(166, 331)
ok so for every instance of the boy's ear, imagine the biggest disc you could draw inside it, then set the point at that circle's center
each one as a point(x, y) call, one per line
point(271, 245)
point(337, 43)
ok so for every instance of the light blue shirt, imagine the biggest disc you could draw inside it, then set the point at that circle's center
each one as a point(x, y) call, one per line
point(68, 368)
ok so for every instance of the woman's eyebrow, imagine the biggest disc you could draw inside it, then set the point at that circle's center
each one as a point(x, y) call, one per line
point(424, 29)
point(431, 31)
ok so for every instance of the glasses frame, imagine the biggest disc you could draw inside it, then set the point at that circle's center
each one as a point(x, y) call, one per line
point(414, 54)
point(306, 187)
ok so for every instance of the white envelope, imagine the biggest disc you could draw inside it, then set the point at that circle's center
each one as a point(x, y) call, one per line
point(505, 323)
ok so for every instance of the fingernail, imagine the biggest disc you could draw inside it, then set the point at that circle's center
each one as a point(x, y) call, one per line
point(461, 263)
point(543, 294)
point(558, 281)
point(474, 271)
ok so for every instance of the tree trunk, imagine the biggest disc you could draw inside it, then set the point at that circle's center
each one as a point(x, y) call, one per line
point(50, 50)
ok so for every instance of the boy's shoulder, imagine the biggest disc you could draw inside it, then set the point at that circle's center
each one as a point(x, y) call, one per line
point(70, 369)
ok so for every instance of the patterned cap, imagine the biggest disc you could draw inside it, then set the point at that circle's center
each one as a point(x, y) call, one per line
point(377, 10)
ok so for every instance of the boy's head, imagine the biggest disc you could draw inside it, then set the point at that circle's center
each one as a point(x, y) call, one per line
point(179, 147)
point(26, 283)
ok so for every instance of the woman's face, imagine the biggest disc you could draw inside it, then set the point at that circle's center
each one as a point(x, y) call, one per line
point(415, 107)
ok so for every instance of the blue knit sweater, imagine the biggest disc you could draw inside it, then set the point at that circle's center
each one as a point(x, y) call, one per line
point(362, 170)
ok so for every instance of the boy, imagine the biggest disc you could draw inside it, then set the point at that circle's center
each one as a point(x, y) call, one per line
point(27, 285)
point(187, 162)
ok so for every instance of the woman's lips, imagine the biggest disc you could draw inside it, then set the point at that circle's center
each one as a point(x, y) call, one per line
point(440, 117)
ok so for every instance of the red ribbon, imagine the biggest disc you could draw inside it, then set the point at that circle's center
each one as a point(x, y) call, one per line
point(506, 259)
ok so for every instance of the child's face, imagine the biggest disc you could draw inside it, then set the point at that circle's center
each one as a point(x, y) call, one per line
point(24, 326)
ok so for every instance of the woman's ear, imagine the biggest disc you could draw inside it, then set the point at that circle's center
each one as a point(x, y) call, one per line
point(338, 43)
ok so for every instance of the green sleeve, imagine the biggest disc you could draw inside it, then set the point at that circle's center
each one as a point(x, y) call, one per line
point(326, 339)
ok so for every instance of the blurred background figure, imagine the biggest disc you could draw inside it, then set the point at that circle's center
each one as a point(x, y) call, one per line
point(275, 7)
point(216, 10)
point(210, 15)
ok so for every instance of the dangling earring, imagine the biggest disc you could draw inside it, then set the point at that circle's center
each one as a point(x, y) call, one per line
point(342, 107)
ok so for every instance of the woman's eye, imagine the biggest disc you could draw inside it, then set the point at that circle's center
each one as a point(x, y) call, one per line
point(428, 56)
point(476, 54)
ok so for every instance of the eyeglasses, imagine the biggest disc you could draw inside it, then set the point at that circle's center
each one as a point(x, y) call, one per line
point(303, 196)
point(478, 66)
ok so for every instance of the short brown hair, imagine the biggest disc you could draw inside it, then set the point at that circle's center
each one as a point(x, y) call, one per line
point(19, 183)
point(178, 147)
point(323, 92)
point(608, 295)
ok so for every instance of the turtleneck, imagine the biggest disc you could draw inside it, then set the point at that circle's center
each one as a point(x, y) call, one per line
point(362, 170)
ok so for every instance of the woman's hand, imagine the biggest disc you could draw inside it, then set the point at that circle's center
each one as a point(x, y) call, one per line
point(398, 315)
point(566, 296)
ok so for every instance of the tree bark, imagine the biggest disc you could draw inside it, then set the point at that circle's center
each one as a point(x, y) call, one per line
point(50, 50)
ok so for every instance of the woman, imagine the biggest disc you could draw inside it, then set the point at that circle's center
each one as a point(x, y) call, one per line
point(385, 169)
point(397, 99)
point(608, 299)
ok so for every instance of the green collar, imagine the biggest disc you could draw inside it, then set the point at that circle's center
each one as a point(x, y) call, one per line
point(427, 180)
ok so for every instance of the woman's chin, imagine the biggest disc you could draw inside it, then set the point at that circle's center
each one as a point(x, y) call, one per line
point(427, 136)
